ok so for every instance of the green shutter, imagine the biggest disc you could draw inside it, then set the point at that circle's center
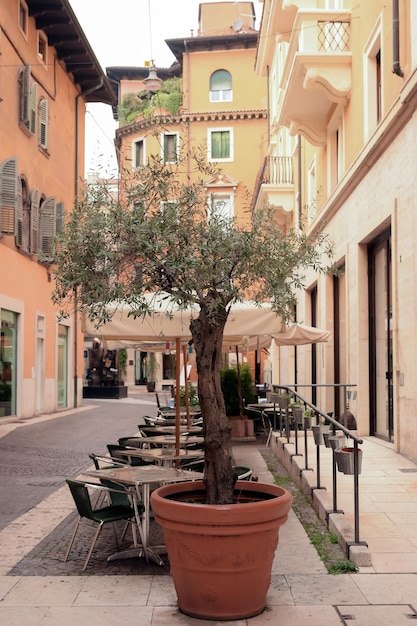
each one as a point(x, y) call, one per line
point(24, 95)
point(8, 195)
point(47, 231)
point(34, 221)
point(19, 215)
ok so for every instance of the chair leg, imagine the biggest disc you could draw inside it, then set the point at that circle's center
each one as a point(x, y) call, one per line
point(100, 526)
point(74, 532)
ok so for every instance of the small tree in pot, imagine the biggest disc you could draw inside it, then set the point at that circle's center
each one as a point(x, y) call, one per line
point(190, 250)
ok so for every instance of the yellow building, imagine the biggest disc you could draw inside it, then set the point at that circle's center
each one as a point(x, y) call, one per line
point(222, 106)
point(48, 73)
point(343, 94)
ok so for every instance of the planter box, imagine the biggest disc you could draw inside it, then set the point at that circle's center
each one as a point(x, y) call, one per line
point(114, 392)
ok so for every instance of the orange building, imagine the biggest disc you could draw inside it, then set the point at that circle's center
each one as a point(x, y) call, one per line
point(220, 104)
point(48, 72)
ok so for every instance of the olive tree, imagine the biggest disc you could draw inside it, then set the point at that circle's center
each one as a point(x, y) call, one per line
point(164, 234)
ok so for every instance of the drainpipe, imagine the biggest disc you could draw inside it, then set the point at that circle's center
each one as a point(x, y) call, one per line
point(299, 185)
point(396, 68)
point(79, 95)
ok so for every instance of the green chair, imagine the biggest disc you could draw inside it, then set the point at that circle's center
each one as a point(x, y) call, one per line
point(88, 515)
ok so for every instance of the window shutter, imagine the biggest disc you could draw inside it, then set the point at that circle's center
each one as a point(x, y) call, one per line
point(24, 88)
point(34, 221)
point(43, 123)
point(33, 99)
point(47, 230)
point(8, 195)
point(19, 215)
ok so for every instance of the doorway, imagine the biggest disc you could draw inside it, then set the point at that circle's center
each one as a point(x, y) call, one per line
point(380, 338)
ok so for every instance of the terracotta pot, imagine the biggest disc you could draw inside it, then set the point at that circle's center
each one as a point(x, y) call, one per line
point(221, 555)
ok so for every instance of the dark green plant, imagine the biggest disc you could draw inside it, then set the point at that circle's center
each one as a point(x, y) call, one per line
point(5, 392)
point(230, 388)
point(121, 363)
point(196, 257)
point(192, 395)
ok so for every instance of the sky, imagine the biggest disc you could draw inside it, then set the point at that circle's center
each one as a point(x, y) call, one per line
point(129, 33)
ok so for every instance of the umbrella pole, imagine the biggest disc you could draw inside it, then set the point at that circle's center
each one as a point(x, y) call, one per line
point(177, 396)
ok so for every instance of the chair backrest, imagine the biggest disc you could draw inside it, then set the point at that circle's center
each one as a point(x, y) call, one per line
point(118, 497)
point(81, 498)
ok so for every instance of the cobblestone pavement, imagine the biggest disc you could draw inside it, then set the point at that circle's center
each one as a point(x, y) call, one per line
point(47, 558)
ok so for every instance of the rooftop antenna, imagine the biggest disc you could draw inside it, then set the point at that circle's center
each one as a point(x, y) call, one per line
point(237, 26)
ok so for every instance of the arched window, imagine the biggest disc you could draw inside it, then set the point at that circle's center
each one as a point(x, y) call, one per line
point(221, 86)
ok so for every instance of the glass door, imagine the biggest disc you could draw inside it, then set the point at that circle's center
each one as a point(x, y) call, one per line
point(62, 374)
point(380, 338)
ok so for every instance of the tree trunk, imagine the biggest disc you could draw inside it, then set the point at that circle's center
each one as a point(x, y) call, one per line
point(207, 332)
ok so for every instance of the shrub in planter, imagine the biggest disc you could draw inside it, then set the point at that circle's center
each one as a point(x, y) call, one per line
point(230, 388)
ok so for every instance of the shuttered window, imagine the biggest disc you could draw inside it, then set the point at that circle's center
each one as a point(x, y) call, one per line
point(19, 215)
point(24, 96)
point(8, 195)
point(43, 123)
point(34, 221)
point(47, 226)
point(33, 99)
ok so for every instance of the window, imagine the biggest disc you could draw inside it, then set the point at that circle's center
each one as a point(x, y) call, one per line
point(34, 221)
point(47, 228)
point(42, 47)
point(170, 147)
point(223, 203)
point(23, 17)
point(220, 86)
point(138, 156)
point(24, 96)
point(32, 104)
point(220, 144)
point(373, 105)
point(8, 196)
point(43, 123)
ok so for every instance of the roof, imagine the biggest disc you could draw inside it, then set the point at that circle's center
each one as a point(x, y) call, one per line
point(233, 41)
point(58, 21)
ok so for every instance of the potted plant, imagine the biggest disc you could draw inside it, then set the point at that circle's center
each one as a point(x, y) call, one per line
point(198, 258)
point(121, 365)
point(152, 366)
point(308, 418)
point(320, 431)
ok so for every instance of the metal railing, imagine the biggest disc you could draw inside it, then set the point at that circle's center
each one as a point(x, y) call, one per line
point(282, 397)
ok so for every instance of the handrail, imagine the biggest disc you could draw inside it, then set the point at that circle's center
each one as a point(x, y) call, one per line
point(336, 425)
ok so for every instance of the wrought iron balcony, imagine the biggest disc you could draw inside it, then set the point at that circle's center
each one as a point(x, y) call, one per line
point(275, 186)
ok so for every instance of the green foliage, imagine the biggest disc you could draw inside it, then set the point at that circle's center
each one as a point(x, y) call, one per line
point(121, 362)
point(145, 102)
point(229, 384)
point(5, 392)
point(192, 395)
point(152, 366)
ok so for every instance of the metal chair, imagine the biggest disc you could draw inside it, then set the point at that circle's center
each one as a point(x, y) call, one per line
point(103, 515)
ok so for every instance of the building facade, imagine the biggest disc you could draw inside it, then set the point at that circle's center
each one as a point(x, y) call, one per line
point(48, 73)
point(221, 107)
point(342, 116)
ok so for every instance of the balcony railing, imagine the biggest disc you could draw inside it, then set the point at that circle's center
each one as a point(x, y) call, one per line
point(275, 170)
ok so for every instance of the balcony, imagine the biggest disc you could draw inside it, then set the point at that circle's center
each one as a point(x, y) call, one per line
point(275, 186)
point(316, 74)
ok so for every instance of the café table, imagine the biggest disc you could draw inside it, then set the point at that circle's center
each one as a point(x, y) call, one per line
point(171, 430)
point(170, 440)
point(139, 479)
point(162, 456)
